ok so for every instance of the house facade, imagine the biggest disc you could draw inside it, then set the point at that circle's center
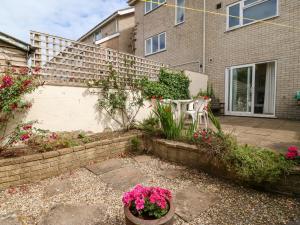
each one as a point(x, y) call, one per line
point(250, 49)
point(13, 52)
point(116, 31)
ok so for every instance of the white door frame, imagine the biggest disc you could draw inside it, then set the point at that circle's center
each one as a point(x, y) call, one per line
point(228, 99)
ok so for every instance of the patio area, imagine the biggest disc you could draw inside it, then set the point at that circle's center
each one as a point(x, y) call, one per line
point(276, 134)
point(92, 195)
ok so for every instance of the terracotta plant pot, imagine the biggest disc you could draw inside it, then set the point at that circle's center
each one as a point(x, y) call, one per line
point(168, 219)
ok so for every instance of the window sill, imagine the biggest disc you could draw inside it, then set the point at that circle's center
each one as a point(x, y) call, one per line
point(177, 24)
point(249, 24)
point(156, 52)
point(146, 13)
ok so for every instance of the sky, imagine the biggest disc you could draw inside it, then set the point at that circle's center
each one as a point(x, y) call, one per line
point(64, 18)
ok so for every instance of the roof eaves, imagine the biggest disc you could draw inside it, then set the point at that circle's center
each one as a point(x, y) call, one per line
point(108, 19)
point(15, 42)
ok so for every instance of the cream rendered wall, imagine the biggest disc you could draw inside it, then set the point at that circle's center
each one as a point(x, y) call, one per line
point(198, 82)
point(62, 108)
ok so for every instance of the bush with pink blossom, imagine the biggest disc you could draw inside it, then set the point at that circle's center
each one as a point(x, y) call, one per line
point(148, 202)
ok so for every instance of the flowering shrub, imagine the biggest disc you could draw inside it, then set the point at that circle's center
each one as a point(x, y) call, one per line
point(15, 83)
point(205, 135)
point(292, 153)
point(148, 202)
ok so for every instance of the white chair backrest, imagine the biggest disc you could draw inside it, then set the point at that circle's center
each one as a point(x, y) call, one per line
point(199, 105)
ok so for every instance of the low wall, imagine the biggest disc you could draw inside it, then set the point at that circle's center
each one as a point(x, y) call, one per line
point(66, 108)
point(31, 168)
point(191, 156)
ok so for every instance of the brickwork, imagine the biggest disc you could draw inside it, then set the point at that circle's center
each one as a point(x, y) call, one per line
point(32, 168)
point(259, 42)
point(192, 157)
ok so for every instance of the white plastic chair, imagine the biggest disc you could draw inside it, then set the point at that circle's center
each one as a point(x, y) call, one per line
point(199, 111)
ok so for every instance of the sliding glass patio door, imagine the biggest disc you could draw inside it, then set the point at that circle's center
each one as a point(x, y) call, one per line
point(250, 89)
point(241, 84)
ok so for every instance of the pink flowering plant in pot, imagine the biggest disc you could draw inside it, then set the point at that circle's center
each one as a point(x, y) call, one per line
point(148, 204)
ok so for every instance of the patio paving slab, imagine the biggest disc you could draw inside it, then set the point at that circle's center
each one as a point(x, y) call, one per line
point(171, 173)
point(124, 178)
point(190, 202)
point(58, 187)
point(106, 166)
point(11, 219)
point(74, 215)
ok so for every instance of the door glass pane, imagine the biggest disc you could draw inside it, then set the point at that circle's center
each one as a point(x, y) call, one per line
point(147, 6)
point(148, 46)
point(162, 41)
point(180, 11)
point(155, 44)
point(234, 14)
point(260, 11)
point(241, 84)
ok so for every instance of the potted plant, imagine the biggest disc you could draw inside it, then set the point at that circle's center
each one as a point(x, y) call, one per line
point(148, 206)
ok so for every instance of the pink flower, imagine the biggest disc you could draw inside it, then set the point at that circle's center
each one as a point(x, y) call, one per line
point(139, 195)
point(27, 127)
point(24, 137)
point(7, 81)
point(292, 153)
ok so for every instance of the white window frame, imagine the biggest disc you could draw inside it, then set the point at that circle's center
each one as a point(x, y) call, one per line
point(159, 49)
point(228, 92)
point(153, 2)
point(95, 35)
point(176, 22)
point(242, 5)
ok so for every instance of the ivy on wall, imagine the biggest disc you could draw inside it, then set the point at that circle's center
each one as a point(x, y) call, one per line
point(170, 85)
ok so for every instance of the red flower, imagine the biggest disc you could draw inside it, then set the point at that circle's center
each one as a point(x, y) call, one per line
point(205, 97)
point(37, 69)
point(153, 97)
point(293, 148)
point(24, 71)
point(25, 137)
point(7, 81)
point(27, 127)
point(13, 106)
point(196, 135)
point(54, 136)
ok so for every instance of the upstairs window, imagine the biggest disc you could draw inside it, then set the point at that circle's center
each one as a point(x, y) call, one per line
point(98, 36)
point(250, 11)
point(153, 4)
point(180, 11)
point(155, 44)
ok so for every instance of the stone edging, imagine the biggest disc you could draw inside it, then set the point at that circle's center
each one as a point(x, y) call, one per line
point(191, 156)
point(31, 168)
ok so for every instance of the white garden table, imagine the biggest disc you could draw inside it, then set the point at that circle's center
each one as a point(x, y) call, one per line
point(180, 106)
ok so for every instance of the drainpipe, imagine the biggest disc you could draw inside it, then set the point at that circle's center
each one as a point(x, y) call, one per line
point(204, 38)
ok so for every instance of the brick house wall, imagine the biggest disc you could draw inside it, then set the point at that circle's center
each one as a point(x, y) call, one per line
point(183, 41)
point(255, 43)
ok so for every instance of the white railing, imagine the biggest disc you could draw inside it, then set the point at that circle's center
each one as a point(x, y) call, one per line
point(64, 61)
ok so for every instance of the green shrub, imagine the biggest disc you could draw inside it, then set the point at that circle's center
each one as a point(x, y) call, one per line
point(257, 165)
point(170, 85)
point(208, 92)
point(135, 144)
point(171, 129)
point(150, 125)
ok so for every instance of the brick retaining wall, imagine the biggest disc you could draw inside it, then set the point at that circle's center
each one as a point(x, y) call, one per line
point(31, 168)
point(191, 156)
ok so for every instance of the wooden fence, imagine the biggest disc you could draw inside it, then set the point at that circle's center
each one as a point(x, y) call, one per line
point(64, 61)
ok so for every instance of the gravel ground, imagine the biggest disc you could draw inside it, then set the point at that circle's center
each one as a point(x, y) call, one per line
point(237, 205)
